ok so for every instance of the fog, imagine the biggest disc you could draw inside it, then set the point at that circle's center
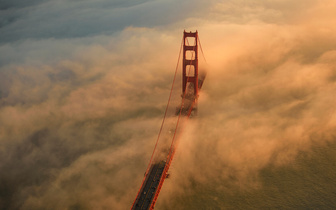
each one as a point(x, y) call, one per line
point(84, 85)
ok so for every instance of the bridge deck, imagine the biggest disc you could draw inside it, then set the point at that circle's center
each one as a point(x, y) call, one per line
point(150, 186)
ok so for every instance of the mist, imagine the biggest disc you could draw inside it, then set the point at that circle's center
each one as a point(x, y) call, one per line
point(84, 85)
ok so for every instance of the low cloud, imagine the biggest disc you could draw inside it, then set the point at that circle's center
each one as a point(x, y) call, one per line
point(267, 97)
point(81, 103)
point(100, 107)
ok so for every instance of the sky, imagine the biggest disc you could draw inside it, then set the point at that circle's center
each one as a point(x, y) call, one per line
point(84, 85)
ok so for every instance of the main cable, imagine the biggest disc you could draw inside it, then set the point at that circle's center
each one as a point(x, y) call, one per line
point(164, 117)
point(172, 149)
point(199, 41)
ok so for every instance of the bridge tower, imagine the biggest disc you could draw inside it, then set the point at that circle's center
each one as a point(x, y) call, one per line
point(190, 80)
point(190, 63)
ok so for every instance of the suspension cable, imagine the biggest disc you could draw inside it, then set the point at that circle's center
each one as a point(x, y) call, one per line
point(172, 149)
point(164, 117)
point(199, 41)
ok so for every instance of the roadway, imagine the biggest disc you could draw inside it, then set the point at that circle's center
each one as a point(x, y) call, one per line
point(151, 184)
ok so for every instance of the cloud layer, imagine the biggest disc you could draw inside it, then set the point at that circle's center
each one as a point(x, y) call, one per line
point(83, 87)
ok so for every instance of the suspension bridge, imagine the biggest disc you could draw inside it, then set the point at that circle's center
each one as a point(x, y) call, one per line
point(174, 118)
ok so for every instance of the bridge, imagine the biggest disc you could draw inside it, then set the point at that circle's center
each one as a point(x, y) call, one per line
point(174, 118)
